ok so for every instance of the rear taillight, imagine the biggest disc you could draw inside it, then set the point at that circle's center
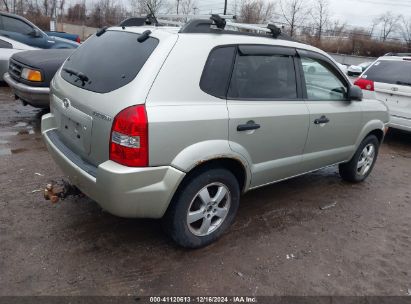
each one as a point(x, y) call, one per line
point(78, 39)
point(365, 84)
point(129, 137)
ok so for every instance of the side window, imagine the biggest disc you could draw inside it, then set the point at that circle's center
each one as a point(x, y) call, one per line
point(14, 25)
point(321, 82)
point(5, 44)
point(217, 71)
point(263, 77)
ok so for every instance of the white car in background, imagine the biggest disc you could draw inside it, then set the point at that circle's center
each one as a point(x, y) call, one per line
point(355, 70)
point(315, 68)
point(8, 47)
point(389, 79)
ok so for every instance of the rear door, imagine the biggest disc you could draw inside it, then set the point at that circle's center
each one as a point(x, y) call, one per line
point(335, 122)
point(268, 120)
point(392, 85)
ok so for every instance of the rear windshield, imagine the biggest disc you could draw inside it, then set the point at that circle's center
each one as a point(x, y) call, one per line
point(108, 62)
point(388, 71)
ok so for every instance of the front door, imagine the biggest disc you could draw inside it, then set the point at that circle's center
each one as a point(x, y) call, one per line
point(335, 122)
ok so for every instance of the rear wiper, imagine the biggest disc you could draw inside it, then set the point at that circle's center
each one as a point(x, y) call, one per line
point(83, 77)
point(404, 83)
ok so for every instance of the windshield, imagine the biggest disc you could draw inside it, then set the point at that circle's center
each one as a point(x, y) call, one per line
point(108, 62)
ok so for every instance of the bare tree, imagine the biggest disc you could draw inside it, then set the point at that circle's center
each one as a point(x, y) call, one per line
point(406, 31)
point(76, 12)
point(107, 13)
point(140, 7)
point(388, 23)
point(321, 15)
point(6, 5)
point(256, 11)
point(294, 13)
point(187, 6)
point(337, 28)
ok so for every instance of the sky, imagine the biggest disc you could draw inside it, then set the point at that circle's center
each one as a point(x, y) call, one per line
point(354, 12)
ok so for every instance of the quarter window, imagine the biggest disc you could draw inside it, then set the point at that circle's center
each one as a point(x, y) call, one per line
point(264, 77)
point(321, 82)
point(14, 25)
point(216, 74)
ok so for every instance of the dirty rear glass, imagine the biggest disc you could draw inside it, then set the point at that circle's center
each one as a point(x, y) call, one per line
point(389, 71)
point(109, 62)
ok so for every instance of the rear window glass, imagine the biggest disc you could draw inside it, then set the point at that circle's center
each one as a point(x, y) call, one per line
point(216, 74)
point(387, 71)
point(109, 62)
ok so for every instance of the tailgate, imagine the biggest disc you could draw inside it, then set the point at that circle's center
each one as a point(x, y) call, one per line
point(397, 98)
point(120, 74)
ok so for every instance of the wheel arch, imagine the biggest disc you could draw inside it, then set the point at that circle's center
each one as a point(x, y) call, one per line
point(215, 153)
point(373, 127)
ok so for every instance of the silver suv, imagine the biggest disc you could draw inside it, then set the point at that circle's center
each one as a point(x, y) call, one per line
point(161, 122)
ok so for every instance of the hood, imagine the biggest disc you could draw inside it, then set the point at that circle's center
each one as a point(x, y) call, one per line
point(47, 61)
point(43, 58)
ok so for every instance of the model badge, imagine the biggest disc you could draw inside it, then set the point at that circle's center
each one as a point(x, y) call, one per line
point(102, 116)
point(66, 102)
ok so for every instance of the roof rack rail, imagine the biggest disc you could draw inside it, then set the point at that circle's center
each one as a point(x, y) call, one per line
point(217, 23)
point(398, 54)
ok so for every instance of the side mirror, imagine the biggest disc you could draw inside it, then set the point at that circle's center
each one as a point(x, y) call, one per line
point(35, 33)
point(355, 93)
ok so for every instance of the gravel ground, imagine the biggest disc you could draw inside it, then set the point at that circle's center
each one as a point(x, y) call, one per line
point(282, 242)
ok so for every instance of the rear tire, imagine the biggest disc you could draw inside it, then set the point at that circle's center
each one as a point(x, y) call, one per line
point(203, 208)
point(363, 161)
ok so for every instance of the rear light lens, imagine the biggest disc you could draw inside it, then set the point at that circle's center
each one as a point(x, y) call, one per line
point(78, 39)
point(365, 84)
point(129, 137)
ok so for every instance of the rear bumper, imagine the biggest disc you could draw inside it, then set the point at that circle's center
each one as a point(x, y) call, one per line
point(402, 123)
point(122, 191)
point(35, 96)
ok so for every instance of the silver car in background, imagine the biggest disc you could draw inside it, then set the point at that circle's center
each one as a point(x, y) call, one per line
point(169, 123)
point(8, 47)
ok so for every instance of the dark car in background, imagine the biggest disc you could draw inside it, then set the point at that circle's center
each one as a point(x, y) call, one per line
point(22, 30)
point(31, 72)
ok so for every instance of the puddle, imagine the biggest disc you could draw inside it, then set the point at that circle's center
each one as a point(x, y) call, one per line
point(5, 151)
point(17, 151)
point(20, 124)
point(8, 133)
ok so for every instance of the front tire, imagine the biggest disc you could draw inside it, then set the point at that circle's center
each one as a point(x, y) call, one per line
point(203, 208)
point(363, 161)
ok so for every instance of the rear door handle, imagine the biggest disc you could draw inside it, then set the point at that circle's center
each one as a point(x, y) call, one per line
point(322, 120)
point(248, 126)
